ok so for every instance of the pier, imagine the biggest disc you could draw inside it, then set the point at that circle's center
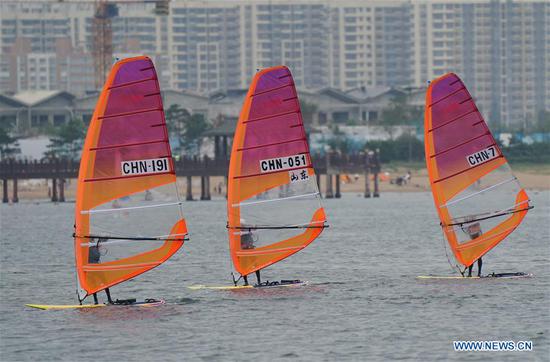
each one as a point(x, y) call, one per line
point(331, 166)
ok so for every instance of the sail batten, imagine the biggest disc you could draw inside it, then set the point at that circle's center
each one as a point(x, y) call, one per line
point(452, 120)
point(272, 144)
point(130, 208)
point(273, 89)
point(272, 172)
point(446, 96)
point(462, 171)
point(139, 111)
point(460, 144)
point(278, 199)
point(265, 118)
point(120, 85)
point(126, 177)
point(468, 173)
point(126, 163)
point(128, 145)
point(479, 192)
point(271, 167)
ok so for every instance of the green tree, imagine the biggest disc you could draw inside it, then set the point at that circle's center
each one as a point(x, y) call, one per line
point(521, 153)
point(175, 119)
point(67, 141)
point(404, 148)
point(188, 128)
point(543, 122)
point(338, 141)
point(8, 144)
point(194, 128)
point(398, 113)
point(308, 109)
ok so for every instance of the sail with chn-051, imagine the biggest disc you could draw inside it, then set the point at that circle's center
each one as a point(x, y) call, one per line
point(273, 202)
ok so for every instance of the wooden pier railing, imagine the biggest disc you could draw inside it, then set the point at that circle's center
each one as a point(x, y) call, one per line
point(58, 170)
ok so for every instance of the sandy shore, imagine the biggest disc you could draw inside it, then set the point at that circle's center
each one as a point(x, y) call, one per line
point(419, 181)
point(530, 177)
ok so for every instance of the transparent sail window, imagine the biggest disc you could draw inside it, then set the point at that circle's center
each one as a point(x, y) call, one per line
point(478, 207)
point(278, 214)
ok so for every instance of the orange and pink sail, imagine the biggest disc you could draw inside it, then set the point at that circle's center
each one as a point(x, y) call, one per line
point(128, 216)
point(273, 202)
point(478, 199)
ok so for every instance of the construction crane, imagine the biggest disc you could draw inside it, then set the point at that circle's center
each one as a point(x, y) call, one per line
point(102, 48)
point(102, 33)
point(102, 43)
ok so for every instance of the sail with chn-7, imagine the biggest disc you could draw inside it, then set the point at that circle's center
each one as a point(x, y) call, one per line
point(478, 199)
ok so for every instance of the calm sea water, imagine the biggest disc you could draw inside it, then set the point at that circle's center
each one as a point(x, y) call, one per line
point(364, 302)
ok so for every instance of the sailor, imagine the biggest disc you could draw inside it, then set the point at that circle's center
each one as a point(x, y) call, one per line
point(247, 242)
point(474, 231)
point(93, 253)
point(258, 278)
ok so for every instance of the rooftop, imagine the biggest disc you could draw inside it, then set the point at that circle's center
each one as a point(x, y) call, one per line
point(31, 98)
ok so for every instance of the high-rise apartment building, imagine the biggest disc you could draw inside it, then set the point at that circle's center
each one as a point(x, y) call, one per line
point(501, 48)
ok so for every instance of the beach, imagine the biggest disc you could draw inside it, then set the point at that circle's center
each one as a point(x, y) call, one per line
point(531, 177)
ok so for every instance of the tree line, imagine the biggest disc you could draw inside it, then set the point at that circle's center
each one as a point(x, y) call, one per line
point(66, 141)
point(187, 131)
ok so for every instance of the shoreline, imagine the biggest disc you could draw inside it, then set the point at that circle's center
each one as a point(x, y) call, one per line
point(529, 178)
point(419, 181)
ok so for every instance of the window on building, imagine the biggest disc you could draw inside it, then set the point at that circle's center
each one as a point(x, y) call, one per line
point(322, 118)
point(373, 116)
point(58, 119)
point(340, 117)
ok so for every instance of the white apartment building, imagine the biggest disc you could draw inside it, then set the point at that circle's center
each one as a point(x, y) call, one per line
point(501, 48)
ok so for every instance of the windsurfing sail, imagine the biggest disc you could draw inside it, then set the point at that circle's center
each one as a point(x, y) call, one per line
point(478, 199)
point(128, 216)
point(273, 201)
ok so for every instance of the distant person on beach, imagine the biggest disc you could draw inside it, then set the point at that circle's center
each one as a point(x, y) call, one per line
point(148, 196)
point(474, 231)
point(402, 180)
point(407, 177)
